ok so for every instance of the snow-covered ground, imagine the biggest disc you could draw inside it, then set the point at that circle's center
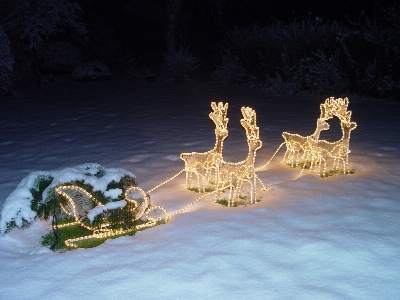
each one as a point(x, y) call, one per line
point(309, 238)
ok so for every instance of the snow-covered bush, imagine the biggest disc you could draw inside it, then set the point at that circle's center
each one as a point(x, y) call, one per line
point(370, 52)
point(91, 71)
point(321, 57)
point(178, 65)
point(230, 71)
point(35, 197)
point(322, 74)
point(6, 62)
point(58, 57)
point(272, 54)
point(36, 20)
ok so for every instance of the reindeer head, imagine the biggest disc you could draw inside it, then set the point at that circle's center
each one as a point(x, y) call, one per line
point(322, 125)
point(252, 131)
point(218, 116)
point(326, 114)
point(348, 127)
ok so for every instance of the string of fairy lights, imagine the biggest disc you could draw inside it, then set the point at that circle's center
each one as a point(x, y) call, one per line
point(212, 170)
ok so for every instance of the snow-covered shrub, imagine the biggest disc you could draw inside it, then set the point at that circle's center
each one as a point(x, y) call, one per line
point(247, 48)
point(6, 62)
point(230, 70)
point(265, 51)
point(35, 197)
point(58, 57)
point(91, 71)
point(375, 83)
point(276, 83)
point(36, 20)
point(322, 74)
point(370, 52)
point(178, 65)
point(321, 57)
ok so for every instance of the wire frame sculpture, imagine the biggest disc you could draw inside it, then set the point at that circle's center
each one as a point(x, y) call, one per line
point(232, 175)
point(296, 143)
point(321, 150)
point(89, 213)
point(204, 165)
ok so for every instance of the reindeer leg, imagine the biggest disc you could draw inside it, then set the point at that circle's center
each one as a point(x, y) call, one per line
point(286, 155)
point(346, 165)
point(230, 190)
point(253, 183)
point(188, 178)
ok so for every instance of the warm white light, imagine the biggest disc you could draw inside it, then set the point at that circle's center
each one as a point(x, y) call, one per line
point(80, 202)
point(233, 175)
point(203, 164)
point(296, 143)
point(318, 151)
point(210, 167)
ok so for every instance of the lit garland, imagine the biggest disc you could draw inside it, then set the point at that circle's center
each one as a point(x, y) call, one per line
point(80, 203)
point(320, 150)
point(227, 175)
point(296, 143)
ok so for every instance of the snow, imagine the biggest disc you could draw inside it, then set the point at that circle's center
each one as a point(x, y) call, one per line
point(309, 237)
point(100, 208)
point(113, 193)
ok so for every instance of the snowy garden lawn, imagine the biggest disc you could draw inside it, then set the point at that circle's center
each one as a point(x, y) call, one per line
point(308, 238)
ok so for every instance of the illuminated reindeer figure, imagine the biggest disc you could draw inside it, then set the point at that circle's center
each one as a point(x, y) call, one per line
point(320, 150)
point(296, 143)
point(202, 164)
point(233, 175)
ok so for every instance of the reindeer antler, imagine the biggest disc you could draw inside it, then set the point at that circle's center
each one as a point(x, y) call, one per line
point(326, 109)
point(218, 116)
point(339, 109)
point(249, 123)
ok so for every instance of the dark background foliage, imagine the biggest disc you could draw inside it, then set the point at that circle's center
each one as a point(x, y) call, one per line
point(288, 45)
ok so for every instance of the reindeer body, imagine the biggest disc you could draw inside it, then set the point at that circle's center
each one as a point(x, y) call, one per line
point(321, 150)
point(296, 143)
point(339, 150)
point(202, 164)
point(233, 175)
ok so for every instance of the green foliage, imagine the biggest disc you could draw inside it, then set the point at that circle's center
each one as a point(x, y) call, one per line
point(65, 233)
point(243, 201)
point(76, 231)
point(124, 183)
point(43, 209)
point(307, 165)
point(225, 203)
point(11, 225)
point(100, 173)
point(222, 202)
point(196, 190)
point(338, 171)
point(119, 218)
point(304, 164)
